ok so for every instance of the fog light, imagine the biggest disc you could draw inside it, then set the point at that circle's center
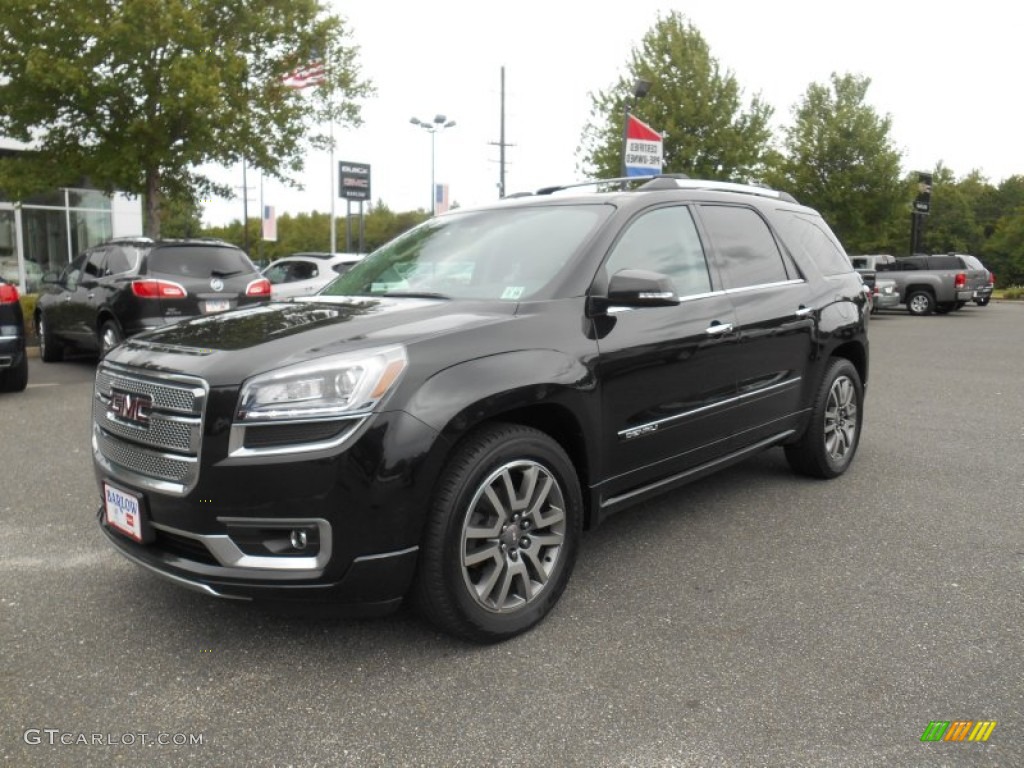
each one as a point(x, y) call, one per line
point(299, 539)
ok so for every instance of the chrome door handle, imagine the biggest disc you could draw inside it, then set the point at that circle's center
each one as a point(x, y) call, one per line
point(804, 311)
point(717, 329)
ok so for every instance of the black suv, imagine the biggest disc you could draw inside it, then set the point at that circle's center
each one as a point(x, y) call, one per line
point(123, 287)
point(446, 418)
point(13, 361)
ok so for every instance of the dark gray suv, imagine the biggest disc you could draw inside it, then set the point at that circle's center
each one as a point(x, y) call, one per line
point(123, 287)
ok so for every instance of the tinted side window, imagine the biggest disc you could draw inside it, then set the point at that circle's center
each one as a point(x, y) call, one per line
point(944, 262)
point(665, 241)
point(805, 235)
point(117, 261)
point(744, 246)
point(73, 273)
point(304, 270)
point(94, 262)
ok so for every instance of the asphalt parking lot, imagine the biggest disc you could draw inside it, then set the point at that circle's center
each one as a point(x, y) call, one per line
point(752, 619)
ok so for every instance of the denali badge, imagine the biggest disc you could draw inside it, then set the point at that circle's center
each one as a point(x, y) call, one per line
point(217, 284)
point(132, 408)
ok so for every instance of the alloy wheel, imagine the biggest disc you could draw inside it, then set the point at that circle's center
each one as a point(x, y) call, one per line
point(512, 536)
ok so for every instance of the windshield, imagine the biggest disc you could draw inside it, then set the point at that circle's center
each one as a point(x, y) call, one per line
point(506, 254)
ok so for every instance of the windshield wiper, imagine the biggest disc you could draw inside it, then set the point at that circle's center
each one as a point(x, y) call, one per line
point(414, 295)
point(223, 273)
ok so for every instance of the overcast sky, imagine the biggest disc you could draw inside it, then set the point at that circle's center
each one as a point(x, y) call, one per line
point(948, 75)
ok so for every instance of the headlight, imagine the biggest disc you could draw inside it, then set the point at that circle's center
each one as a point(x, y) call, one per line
point(322, 389)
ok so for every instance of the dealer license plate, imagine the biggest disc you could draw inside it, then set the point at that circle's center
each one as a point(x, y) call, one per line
point(217, 306)
point(123, 511)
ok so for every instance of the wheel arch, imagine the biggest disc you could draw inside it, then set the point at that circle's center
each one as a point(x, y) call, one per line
point(547, 392)
point(857, 354)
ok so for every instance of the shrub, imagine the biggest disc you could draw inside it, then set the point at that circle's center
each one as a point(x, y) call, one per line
point(28, 309)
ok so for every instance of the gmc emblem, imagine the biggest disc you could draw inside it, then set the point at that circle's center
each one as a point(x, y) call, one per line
point(132, 408)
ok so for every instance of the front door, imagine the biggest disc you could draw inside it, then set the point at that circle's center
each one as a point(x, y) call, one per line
point(666, 374)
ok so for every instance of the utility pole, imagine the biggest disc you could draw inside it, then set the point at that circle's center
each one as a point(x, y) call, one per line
point(501, 143)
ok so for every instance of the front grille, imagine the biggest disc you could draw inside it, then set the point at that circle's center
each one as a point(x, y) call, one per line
point(160, 449)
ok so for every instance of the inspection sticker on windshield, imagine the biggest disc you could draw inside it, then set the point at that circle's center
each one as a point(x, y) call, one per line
point(512, 292)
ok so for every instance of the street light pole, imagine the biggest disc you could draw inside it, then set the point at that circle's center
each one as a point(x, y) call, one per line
point(439, 123)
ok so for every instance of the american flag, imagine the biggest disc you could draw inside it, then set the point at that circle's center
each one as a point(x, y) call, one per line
point(313, 73)
point(440, 198)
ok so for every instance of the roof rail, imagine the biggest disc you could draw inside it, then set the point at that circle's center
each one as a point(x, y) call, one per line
point(667, 181)
point(590, 183)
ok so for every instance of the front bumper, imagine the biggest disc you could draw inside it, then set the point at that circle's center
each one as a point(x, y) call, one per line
point(232, 532)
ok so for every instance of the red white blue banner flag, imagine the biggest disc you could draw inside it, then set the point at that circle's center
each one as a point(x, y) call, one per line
point(269, 223)
point(440, 198)
point(312, 74)
point(643, 150)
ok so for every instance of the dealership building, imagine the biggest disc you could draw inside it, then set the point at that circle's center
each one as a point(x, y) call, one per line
point(44, 232)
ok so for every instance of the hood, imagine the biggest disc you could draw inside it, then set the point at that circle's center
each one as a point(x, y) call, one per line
point(267, 336)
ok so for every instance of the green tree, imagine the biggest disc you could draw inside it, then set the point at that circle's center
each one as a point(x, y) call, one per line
point(697, 105)
point(136, 95)
point(840, 159)
point(180, 217)
point(951, 226)
point(1003, 252)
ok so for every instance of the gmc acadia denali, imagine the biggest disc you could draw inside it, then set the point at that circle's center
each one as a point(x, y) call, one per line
point(444, 420)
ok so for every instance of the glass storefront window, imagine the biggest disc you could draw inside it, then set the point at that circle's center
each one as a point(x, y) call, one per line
point(52, 197)
point(88, 198)
point(89, 229)
point(46, 238)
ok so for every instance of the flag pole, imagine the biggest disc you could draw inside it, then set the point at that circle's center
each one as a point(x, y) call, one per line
point(330, 168)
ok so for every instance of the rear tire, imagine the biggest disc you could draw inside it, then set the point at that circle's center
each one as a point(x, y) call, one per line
point(15, 379)
point(945, 308)
point(982, 302)
point(50, 349)
point(920, 303)
point(502, 535)
point(830, 441)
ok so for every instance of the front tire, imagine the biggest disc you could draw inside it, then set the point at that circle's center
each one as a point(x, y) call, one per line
point(920, 303)
point(50, 349)
point(830, 441)
point(502, 536)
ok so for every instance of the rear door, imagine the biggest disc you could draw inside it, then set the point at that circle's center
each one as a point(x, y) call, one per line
point(86, 298)
point(775, 319)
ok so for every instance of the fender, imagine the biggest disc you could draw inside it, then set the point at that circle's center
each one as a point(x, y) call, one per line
point(543, 387)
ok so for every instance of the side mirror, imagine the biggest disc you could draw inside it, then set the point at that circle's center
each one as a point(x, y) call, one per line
point(640, 288)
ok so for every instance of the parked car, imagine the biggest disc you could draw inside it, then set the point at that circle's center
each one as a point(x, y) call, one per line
point(123, 287)
point(884, 294)
point(303, 274)
point(983, 293)
point(13, 360)
point(443, 420)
